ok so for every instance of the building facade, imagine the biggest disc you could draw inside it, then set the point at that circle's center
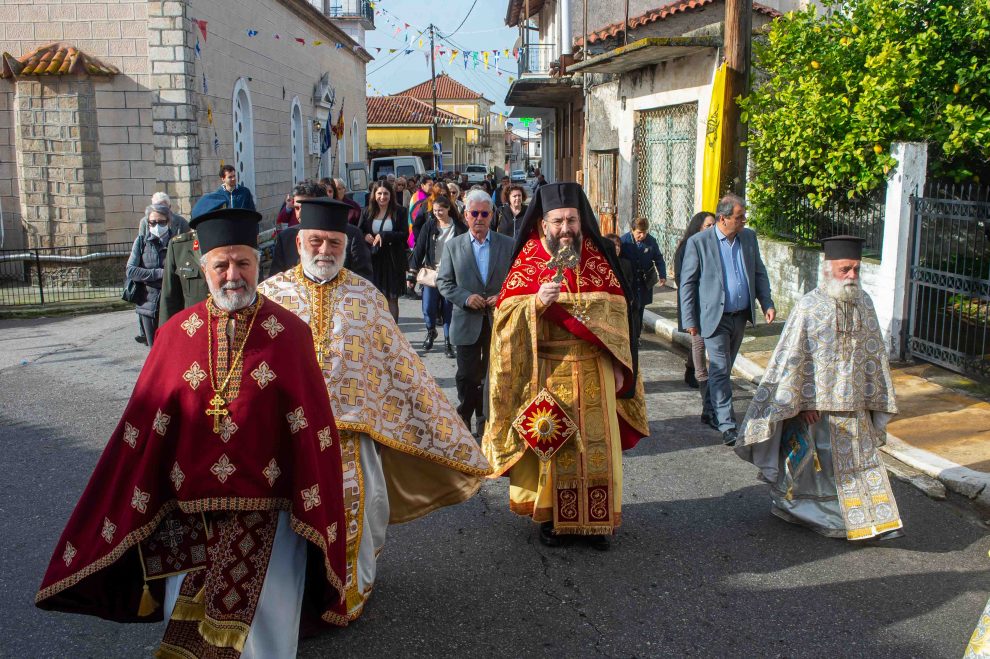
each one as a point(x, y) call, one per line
point(167, 90)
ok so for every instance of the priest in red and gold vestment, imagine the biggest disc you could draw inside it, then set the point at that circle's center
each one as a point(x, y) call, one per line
point(405, 450)
point(565, 396)
point(217, 502)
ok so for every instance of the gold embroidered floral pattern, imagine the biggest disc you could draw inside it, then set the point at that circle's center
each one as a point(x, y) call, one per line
point(109, 528)
point(297, 420)
point(160, 424)
point(227, 428)
point(177, 476)
point(139, 500)
point(130, 435)
point(70, 552)
point(263, 375)
point(194, 376)
point(332, 533)
point(223, 468)
point(272, 472)
point(325, 437)
point(272, 326)
point(191, 324)
point(311, 497)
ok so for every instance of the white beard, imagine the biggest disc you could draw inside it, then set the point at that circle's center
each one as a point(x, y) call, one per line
point(321, 268)
point(842, 290)
point(234, 295)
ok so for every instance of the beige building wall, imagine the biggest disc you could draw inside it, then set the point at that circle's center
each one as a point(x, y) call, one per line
point(123, 35)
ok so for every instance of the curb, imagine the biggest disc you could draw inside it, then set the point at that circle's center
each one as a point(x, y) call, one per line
point(971, 484)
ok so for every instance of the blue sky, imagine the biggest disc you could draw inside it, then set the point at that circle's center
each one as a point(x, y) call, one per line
point(484, 29)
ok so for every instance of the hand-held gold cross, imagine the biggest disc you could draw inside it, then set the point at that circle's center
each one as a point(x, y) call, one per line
point(565, 258)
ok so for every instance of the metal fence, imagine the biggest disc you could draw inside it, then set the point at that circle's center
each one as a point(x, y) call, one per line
point(950, 278)
point(535, 58)
point(61, 274)
point(794, 218)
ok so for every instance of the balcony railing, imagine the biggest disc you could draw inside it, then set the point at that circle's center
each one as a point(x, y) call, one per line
point(361, 9)
point(535, 59)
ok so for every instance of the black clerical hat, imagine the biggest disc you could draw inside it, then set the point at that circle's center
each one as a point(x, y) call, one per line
point(323, 214)
point(843, 247)
point(560, 195)
point(227, 226)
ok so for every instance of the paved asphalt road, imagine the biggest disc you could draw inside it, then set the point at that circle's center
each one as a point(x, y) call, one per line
point(699, 567)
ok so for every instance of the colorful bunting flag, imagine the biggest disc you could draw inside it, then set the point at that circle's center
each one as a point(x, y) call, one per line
point(252, 33)
point(202, 28)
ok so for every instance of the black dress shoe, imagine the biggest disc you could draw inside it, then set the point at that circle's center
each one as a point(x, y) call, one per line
point(729, 437)
point(547, 536)
point(141, 339)
point(689, 378)
point(448, 350)
point(890, 535)
point(479, 428)
point(431, 335)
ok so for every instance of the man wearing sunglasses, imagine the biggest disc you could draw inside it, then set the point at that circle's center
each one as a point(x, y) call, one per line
point(472, 270)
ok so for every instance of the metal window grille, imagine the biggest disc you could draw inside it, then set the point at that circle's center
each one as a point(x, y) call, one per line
point(666, 150)
point(950, 278)
point(603, 173)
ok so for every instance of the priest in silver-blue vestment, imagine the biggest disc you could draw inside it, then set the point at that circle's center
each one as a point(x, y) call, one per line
point(820, 414)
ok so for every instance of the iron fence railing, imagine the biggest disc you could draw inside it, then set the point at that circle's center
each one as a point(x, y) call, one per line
point(60, 274)
point(535, 58)
point(950, 278)
point(351, 8)
point(793, 217)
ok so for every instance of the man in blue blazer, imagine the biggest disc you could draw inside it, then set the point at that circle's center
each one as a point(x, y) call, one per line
point(472, 270)
point(723, 277)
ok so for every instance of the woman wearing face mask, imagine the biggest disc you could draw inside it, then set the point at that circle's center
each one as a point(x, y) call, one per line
point(439, 228)
point(146, 267)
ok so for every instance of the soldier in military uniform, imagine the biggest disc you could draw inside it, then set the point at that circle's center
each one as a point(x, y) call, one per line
point(183, 284)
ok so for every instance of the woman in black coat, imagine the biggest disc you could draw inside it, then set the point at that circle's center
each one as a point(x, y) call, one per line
point(146, 266)
point(440, 227)
point(386, 230)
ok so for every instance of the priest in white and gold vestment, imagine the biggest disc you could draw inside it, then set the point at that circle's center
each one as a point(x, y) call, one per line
point(405, 450)
point(819, 416)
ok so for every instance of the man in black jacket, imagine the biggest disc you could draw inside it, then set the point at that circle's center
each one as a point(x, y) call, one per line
point(286, 256)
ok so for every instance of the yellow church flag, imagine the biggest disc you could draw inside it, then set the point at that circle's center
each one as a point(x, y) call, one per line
point(711, 182)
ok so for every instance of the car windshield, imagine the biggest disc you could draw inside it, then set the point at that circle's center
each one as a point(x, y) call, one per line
point(476, 169)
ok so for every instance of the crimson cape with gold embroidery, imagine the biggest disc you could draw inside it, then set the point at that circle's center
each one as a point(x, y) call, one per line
point(283, 455)
point(529, 272)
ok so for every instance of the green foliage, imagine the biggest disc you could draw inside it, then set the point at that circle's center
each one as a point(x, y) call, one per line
point(841, 87)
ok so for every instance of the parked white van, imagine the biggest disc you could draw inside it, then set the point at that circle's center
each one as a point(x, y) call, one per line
point(398, 165)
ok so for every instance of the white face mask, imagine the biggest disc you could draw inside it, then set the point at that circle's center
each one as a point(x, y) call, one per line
point(159, 230)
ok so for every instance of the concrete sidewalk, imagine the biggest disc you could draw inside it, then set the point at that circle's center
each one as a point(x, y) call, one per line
point(943, 426)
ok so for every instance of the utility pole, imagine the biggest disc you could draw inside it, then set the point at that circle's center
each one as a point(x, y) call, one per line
point(738, 46)
point(433, 82)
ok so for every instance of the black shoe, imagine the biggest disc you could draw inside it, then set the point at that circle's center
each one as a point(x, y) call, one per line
point(448, 350)
point(706, 419)
point(890, 535)
point(431, 335)
point(600, 542)
point(479, 428)
point(729, 437)
point(547, 536)
point(141, 339)
point(689, 378)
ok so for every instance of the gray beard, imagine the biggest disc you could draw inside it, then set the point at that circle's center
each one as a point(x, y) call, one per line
point(553, 244)
point(841, 290)
point(321, 268)
point(233, 301)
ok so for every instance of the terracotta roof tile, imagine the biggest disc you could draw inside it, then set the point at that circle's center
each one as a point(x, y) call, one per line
point(407, 110)
point(55, 59)
point(448, 89)
point(662, 13)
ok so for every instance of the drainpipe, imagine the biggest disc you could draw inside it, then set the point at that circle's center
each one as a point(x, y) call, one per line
point(566, 47)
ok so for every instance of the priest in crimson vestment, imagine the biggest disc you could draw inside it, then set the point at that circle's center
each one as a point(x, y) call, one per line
point(565, 396)
point(404, 448)
point(217, 502)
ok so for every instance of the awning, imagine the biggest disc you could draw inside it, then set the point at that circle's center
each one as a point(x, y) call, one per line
point(543, 92)
point(644, 53)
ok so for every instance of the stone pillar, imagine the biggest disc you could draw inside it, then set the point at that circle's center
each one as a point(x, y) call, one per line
point(174, 106)
point(58, 162)
point(890, 291)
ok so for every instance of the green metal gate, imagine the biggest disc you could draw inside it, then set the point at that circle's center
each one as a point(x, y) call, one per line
point(666, 150)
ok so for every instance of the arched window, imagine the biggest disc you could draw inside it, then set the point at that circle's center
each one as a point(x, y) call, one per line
point(355, 142)
point(298, 143)
point(243, 117)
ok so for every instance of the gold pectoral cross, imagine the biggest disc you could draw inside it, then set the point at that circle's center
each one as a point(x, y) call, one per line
point(216, 411)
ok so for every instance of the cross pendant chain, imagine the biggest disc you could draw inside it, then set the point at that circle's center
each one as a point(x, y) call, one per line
point(217, 411)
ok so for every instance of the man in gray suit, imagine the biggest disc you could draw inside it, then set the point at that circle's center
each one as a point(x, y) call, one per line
point(472, 270)
point(722, 277)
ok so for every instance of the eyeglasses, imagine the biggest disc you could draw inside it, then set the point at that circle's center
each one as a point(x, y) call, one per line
point(560, 222)
point(476, 214)
point(155, 223)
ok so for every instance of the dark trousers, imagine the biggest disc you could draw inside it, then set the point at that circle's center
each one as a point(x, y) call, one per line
point(472, 369)
point(722, 348)
point(149, 326)
point(436, 308)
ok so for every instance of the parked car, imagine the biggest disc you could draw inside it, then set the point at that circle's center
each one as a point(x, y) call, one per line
point(398, 165)
point(518, 176)
point(476, 173)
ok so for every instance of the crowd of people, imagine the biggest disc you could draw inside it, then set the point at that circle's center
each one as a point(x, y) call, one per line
point(315, 424)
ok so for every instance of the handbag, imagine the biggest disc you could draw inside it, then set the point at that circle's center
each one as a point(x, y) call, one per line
point(133, 289)
point(652, 277)
point(426, 277)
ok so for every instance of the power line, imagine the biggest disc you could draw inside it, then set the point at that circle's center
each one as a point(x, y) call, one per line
point(465, 19)
point(399, 51)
